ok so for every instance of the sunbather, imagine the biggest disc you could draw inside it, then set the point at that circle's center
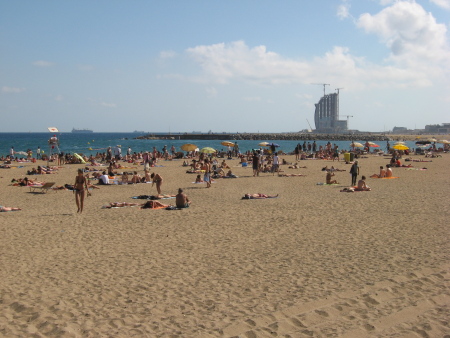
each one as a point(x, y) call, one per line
point(362, 186)
point(329, 180)
point(258, 196)
point(5, 209)
point(120, 205)
point(381, 174)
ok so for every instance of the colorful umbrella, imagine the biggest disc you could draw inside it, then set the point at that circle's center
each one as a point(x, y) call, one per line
point(227, 144)
point(373, 145)
point(188, 147)
point(264, 144)
point(400, 147)
point(208, 150)
point(356, 145)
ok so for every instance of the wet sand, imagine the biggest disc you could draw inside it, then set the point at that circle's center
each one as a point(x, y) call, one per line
point(313, 262)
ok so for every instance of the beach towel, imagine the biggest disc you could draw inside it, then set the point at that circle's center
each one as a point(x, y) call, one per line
point(150, 197)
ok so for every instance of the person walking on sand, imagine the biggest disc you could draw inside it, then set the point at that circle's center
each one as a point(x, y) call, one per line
point(354, 171)
point(157, 178)
point(78, 189)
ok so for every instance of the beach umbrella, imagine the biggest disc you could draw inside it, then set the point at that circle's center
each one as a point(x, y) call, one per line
point(274, 145)
point(432, 139)
point(21, 153)
point(399, 142)
point(227, 144)
point(373, 145)
point(188, 147)
point(264, 144)
point(356, 145)
point(422, 142)
point(208, 150)
point(444, 142)
point(400, 147)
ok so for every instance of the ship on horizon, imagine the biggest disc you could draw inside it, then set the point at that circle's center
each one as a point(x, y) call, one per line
point(85, 130)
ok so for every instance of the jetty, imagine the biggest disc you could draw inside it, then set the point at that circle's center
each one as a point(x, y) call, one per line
point(267, 136)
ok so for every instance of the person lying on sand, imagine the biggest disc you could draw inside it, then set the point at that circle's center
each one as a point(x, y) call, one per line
point(5, 209)
point(295, 166)
point(147, 205)
point(23, 182)
point(120, 205)
point(257, 196)
point(153, 197)
point(289, 175)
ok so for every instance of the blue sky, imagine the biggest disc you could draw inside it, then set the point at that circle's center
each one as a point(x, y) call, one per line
point(224, 66)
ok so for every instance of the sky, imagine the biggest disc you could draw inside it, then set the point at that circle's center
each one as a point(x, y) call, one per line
point(222, 66)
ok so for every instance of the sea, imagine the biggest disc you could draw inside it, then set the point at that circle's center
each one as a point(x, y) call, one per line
point(92, 143)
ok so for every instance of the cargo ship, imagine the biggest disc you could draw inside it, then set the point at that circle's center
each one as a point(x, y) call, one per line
point(84, 131)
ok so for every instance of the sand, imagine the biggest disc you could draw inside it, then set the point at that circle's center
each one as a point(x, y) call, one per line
point(313, 262)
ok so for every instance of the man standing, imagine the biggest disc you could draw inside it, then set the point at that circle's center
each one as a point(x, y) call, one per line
point(255, 163)
point(38, 153)
point(275, 163)
point(354, 171)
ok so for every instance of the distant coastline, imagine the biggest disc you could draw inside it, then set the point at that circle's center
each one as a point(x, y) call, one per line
point(289, 136)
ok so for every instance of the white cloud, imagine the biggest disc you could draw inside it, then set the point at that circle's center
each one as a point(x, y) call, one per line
point(343, 10)
point(109, 105)
point(167, 54)
point(419, 56)
point(413, 35)
point(442, 3)
point(59, 98)
point(14, 90)
point(42, 63)
point(223, 63)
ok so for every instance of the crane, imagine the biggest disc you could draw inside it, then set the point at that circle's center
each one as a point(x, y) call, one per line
point(338, 90)
point(322, 84)
point(348, 117)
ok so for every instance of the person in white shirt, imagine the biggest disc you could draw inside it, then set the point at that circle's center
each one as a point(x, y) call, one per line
point(103, 179)
point(275, 164)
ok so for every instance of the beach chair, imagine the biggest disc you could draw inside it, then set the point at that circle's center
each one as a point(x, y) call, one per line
point(42, 188)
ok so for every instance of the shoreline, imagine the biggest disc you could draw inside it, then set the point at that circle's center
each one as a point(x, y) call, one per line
point(292, 137)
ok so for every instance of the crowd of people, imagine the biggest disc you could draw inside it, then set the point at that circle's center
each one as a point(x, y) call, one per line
point(208, 167)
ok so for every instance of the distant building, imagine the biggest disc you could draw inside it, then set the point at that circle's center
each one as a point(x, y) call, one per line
point(400, 130)
point(326, 116)
point(443, 128)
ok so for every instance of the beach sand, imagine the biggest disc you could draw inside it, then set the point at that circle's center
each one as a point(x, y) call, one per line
point(313, 262)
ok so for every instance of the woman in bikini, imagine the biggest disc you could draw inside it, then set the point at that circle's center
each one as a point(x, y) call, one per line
point(79, 187)
point(156, 178)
